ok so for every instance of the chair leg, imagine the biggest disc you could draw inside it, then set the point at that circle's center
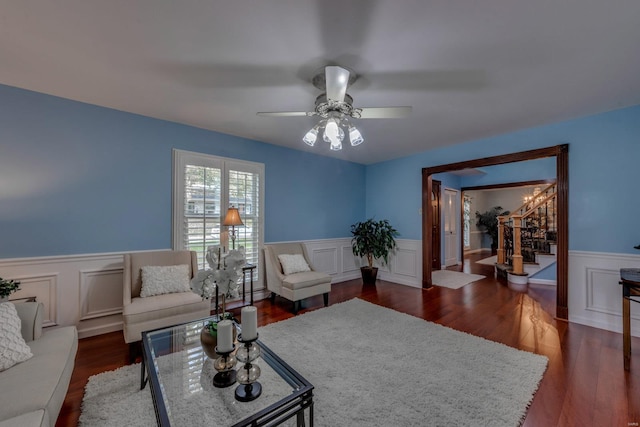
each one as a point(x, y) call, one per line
point(272, 297)
point(296, 307)
point(325, 296)
point(134, 350)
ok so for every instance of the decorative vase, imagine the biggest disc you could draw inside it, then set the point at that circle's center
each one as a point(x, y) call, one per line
point(209, 342)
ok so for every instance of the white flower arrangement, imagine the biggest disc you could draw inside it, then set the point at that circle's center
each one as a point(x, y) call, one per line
point(225, 270)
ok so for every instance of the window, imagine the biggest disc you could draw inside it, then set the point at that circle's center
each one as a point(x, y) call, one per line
point(204, 186)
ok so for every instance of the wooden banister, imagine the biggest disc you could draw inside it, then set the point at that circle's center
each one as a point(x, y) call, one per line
point(524, 205)
point(514, 220)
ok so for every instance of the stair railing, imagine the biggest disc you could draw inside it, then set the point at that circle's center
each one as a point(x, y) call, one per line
point(510, 228)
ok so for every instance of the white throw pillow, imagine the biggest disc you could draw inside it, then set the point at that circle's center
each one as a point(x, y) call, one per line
point(293, 263)
point(165, 279)
point(13, 348)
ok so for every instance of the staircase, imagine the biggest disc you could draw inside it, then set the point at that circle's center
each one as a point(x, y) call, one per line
point(527, 237)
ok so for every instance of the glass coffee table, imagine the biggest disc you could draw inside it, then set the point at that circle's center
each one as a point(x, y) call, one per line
point(181, 379)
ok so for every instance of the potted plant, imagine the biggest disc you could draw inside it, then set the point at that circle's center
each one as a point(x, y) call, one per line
point(374, 240)
point(489, 221)
point(7, 287)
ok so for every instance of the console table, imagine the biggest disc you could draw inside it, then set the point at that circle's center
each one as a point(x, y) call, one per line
point(630, 292)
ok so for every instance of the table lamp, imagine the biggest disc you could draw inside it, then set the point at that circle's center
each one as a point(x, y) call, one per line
point(232, 219)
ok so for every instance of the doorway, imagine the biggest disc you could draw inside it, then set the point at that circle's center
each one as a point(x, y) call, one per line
point(561, 154)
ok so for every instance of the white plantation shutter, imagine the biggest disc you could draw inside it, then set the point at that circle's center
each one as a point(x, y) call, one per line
point(244, 194)
point(204, 186)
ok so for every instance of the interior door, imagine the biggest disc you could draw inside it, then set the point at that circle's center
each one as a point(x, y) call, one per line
point(451, 236)
point(436, 263)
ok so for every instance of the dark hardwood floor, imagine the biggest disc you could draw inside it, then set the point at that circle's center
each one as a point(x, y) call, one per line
point(584, 385)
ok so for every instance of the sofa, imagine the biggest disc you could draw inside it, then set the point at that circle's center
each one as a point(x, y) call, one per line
point(33, 391)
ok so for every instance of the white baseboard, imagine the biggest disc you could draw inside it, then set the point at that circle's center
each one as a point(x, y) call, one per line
point(545, 282)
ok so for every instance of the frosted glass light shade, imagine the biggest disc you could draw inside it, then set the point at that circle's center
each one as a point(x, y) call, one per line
point(311, 136)
point(355, 136)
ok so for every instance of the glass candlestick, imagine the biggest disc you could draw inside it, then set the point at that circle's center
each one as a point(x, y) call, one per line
point(247, 375)
point(224, 364)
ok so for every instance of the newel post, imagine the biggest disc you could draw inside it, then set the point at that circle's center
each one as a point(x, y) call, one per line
point(501, 250)
point(518, 267)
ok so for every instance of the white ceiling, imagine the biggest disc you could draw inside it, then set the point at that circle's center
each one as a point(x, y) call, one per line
point(469, 68)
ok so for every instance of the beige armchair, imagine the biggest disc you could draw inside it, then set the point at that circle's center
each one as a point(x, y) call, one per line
point(296, 286)
point(152, 312)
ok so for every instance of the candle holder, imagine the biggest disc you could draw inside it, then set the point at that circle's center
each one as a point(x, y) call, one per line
point(249, 388)
point(224, 364)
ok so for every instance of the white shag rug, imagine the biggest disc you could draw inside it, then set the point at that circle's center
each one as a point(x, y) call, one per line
point(453, 279)
point(489, 260)
point(371, 366)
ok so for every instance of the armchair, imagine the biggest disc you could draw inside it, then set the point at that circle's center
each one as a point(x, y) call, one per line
point(152, 312)
point(294, 286)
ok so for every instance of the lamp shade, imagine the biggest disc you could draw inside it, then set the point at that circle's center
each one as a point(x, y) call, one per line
point(233, 217)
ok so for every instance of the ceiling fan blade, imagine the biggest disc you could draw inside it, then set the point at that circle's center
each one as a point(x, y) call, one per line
point(385, 112)
point(337, 79)
point(285, 114)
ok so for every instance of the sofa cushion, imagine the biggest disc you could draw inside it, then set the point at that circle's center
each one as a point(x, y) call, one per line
point(164, 279)
point(305, 279)
point(293, 263)
point(42, 381)
point(33, 418)
point(13, 348)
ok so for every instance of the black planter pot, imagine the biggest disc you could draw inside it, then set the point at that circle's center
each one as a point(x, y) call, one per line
point(369, 275)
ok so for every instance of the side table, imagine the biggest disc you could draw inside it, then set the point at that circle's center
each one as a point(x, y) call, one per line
point(250, 268)
point(630, 290)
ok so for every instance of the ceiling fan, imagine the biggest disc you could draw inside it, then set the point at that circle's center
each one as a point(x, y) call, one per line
point(335, 107)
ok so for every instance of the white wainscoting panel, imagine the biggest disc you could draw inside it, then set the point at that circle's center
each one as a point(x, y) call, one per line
point(86, 290)
point(595, 296)
point(335, 257)
point(43, 287)
point(97, 296)
point(80, 290)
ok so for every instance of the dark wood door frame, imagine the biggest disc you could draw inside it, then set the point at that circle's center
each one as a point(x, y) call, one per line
point(436, 260)
point(561, 153)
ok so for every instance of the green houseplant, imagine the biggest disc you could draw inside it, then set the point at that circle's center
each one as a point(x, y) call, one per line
point(7, 287)
point(373, 240)
point(489, 222)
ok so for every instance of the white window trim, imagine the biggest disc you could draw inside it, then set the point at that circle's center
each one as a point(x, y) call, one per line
point(181, 158)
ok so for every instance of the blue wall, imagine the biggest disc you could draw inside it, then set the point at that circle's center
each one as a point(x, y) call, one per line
point(604, 152)
point(77, 178)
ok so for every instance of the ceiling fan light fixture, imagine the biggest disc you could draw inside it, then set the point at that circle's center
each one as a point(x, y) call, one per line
point(337, 146)
point(311, 136)
point(333, 133)
point(355, 136)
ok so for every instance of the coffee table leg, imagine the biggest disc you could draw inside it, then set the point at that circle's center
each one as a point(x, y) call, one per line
point(143, 377)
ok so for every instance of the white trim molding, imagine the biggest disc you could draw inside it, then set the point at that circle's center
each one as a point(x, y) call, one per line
point(595, 296)
point(82, 290)
point(335, 257)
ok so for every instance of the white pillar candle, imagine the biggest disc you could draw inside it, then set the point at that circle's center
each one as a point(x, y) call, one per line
point(249, 323)
point(225, 336)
